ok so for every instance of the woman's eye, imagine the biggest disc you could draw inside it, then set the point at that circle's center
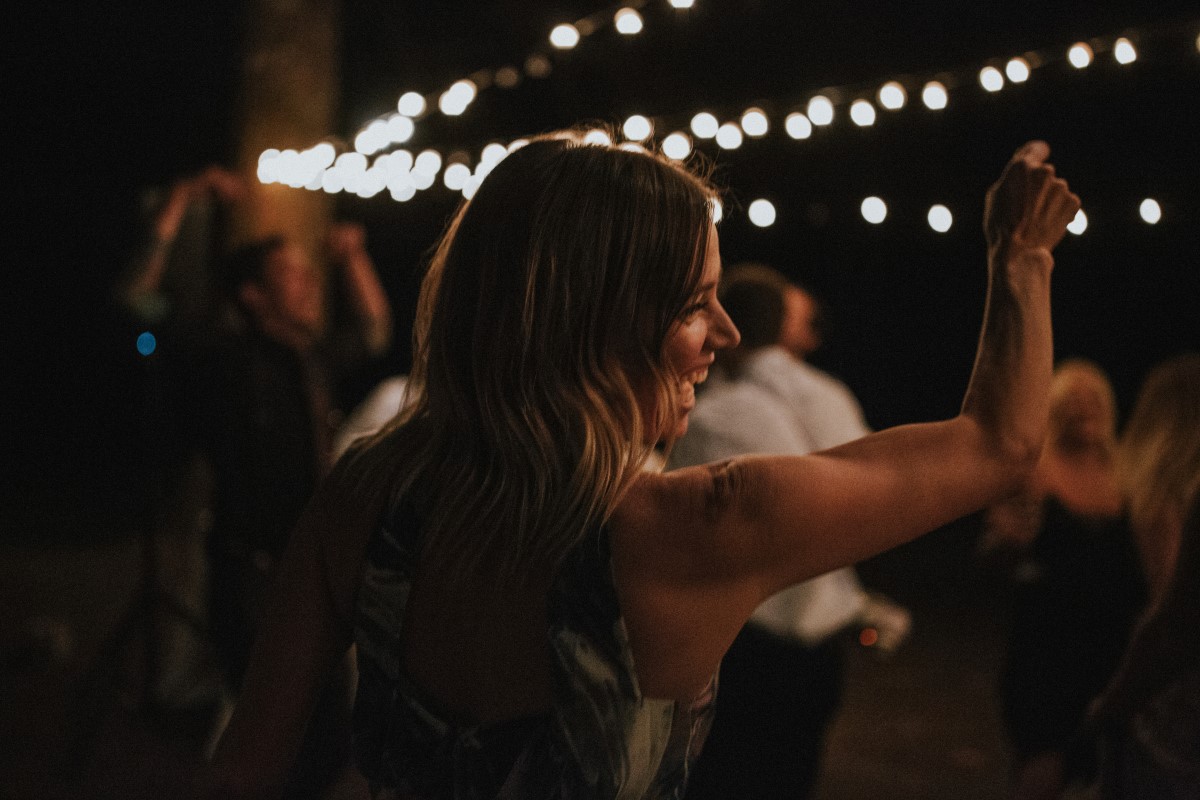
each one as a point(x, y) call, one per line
point(694, 309)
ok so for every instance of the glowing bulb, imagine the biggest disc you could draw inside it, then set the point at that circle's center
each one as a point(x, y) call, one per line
point(677, 146)
point(268, 166)
point(705, 125)
point(863, 113)
point(322, 154)
point(455, 176)
point(1124, 51)
point(1017, 70)
point(455, 100)
point(628, 21)
point(1080, 55)
point(682, 3)
point(892, 96)
point(564, 36)
point(874, 210)
point(729, 136)
point(400, 128)
point(754, 122)
point(598, 137)
point(820, 110)
point(428, 163)
point(934, 96)
point(637, 128)
point(517, 144)
point(798, 126)
point(940, 218)
point(410, 104)
point(1150, 210)
point(493, 153)
point(371, 138)
point(762, 213)
point(403, 192)
point(1079, 224)
point(716, 210)
point(351, 163)
point(991, 79)
point(471, 186)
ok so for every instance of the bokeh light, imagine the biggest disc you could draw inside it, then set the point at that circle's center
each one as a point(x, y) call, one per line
point(934, 96)
point(755, 123)
point(798, 125)
point(146, 343)
point(597, 136)
point(1080, 55)
point(1150, 210)
point(1124, 51)
point(705, 125)
point(820, 110)
point(564, 36)
point(863, 113)
point(1079, 224)
point(455, 176)
point(677, 146)
point(940, 218)
point(628, 21)
point(991, 79)
point(874, 210)
point(892, 96)
point(637, 128)
point(762, 213)
point(1017, 70)
point(729, 136)
point(411, 104)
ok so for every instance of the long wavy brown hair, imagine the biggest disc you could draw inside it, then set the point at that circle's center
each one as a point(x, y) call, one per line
point(541, 318)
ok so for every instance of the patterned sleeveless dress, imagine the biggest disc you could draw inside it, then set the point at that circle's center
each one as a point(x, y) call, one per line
point(603, 740)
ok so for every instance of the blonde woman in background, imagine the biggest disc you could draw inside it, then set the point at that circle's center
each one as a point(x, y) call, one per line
point(1159, 454)
point(1077, 587)
point(1149, 718)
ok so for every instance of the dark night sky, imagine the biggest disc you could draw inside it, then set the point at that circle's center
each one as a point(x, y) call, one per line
point(111, 102)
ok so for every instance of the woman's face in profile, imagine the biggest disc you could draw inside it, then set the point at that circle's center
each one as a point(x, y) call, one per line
point(690, 346)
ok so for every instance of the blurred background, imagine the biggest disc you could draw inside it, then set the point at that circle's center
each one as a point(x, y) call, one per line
point(112, 103)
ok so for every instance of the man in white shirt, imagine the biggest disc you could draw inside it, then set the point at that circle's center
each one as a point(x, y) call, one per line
point(781, 681)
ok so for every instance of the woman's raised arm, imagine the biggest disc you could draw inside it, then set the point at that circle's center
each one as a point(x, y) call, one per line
point(779, 520)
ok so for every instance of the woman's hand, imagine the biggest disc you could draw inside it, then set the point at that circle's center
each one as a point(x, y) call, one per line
point(1027, 210)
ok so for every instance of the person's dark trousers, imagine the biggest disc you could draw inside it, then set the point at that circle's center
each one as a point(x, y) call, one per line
point(775, 700)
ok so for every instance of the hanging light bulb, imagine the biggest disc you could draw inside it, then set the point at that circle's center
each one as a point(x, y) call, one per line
point(1124, 51)
point(1080, 55)
point(892, 96)
point(754, 122)
point(705, 125)
point(863, 113)
point(564, 36)
point(1079, 224)
point(1017, 70)
point(762, 213)
point(628, 21)
point(798, 126)
point(637, 128)
point(934, 96)
point(677, 146)
point(820, 110)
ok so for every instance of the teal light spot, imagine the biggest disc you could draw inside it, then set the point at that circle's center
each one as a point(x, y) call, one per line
point(146, 343)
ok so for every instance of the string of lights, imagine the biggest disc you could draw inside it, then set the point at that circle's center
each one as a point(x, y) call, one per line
point(378, 163)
